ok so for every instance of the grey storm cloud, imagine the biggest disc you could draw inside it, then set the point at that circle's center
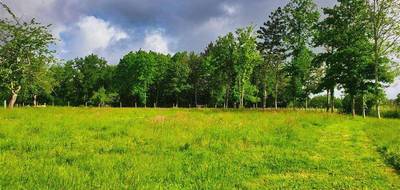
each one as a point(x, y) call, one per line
point(189, 24)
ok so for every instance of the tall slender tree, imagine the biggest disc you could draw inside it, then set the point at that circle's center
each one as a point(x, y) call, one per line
point(177, 76)
point(223, 57)
point(271, 44)
point(302, 16)
point(325, 38)
point(384, 16)
point(247, 59)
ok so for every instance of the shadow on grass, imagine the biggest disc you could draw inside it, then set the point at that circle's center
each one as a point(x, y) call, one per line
point(391, 158)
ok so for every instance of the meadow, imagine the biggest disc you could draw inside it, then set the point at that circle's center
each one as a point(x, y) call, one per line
point(106, 148)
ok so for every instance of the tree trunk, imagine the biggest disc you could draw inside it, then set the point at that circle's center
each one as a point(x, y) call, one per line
point(327, 100)
point(195, 96)
point(376, 62)
point(294, 103)
point(265, 98)
point(378, 109)
point(363, 106)
point(332, 100)
point(34, 101)
point(13, 99)
point(242, 97)
point(157, 95)
point(276, 94)
point(145, 100)
point(177, 101)
point(306, 103)
point(378, 102)
point(353, 106)
point(227, 92)
point(14, 96)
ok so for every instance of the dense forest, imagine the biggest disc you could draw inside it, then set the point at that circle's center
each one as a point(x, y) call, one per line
point(301, 50)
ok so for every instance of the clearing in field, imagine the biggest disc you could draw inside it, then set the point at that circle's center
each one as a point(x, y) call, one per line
point(60, 148)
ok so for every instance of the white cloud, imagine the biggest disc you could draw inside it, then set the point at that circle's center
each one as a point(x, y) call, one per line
point(156, 41)
point(214, 27)
point(57, 30)
point(89, 35)
point(93, 35)
point(220, 25)
point(394, 89)
point(229, 9)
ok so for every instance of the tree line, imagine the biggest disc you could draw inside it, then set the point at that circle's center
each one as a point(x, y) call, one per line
point(299, 51)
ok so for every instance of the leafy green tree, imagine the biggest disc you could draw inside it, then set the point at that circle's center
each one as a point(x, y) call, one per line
point(67, 83)
point(262, 79)
point(198, 76)
point(24, 53)
point(42, 81)
point(215, 84)
point(325, 38)
point(177, 76)
point(77, 80)
point(301, 17)
point(136, 72)
point(319, 102)
point(299, 72)
point(102, 97)
point(271, 37)
point(221, 58)
point(91, 70)
point(247, 59)
point(384, 17)
point(157, 90)
point(351, 58)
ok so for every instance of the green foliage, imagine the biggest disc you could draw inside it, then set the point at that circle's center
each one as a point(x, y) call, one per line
point(138, 69)
point(177, 76)
point(369, 104)
point(24, 55)
point(247, 59)
point(320, 102)
point(299, 74)
point(232, 60)
point(301, 17)
point(346, 34)
point(274, 50)
point(79, 79)
point(222, 60)
point(101, 97)
point(384, 19)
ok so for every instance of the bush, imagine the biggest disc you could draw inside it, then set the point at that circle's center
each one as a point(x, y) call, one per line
point(320, 102)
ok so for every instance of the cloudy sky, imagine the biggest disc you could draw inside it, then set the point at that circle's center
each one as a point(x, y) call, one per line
point(111, 28)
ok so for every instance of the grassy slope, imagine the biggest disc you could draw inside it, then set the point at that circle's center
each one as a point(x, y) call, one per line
point(58, 148)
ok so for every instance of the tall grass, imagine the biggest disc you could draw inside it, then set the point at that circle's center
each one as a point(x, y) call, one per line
point(79, 148)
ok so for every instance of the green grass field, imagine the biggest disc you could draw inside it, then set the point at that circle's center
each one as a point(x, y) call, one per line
point(78, 148)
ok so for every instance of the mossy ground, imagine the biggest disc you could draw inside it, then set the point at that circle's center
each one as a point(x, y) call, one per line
point(79, 148)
